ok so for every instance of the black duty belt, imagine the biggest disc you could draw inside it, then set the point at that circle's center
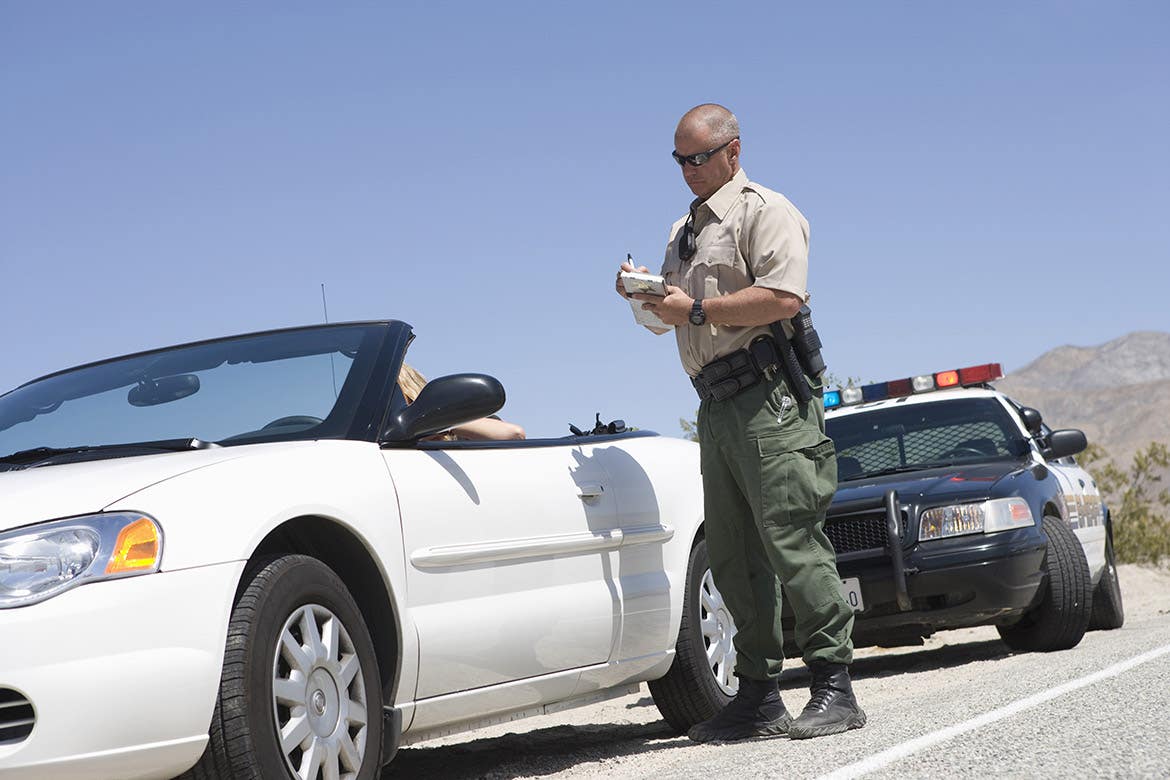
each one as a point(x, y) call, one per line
point(724, 377)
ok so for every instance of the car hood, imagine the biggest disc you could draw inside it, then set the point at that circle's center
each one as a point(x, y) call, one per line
point(48, 492)
point(967, 482)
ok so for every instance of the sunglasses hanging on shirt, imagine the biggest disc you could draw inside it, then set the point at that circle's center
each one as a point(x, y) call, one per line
point(686, 238)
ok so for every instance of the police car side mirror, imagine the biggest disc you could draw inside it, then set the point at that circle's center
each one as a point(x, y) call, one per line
point(1032, 419)
point(1063, 443)
point(443, 403)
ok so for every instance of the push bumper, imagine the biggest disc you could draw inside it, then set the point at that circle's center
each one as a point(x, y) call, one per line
point(951, 586)
point(121, 676)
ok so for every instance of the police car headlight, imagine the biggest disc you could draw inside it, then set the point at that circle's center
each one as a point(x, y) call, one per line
point(998, 514)
point(40, 562)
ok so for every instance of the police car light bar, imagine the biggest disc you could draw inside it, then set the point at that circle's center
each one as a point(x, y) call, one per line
point(899, 388)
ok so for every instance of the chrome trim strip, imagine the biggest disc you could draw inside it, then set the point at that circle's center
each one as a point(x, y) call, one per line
point(538, 547)
point(648, 534)
point(516, 549)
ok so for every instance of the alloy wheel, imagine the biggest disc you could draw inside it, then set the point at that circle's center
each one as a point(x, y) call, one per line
point(318, 696)
point(718, 629)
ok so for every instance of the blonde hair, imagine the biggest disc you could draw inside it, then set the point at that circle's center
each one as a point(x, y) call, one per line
point(411, 382)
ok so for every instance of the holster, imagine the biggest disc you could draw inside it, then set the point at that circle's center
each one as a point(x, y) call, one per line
point(789, 364)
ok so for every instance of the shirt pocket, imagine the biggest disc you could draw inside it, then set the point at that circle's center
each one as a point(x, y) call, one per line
point(721, 269)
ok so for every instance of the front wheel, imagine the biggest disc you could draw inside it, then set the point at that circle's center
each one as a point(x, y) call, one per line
point(300, 695)
point(701, 681)
point(1060, 620)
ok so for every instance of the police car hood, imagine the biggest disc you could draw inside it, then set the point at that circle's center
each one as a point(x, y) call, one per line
point(959, 483)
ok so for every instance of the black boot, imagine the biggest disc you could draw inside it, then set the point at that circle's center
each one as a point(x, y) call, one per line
point(756, 711)
point(832, 709)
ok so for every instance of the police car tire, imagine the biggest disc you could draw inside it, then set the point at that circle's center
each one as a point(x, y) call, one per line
point(1060, 620)
point(688, 694)
point(1108, 611)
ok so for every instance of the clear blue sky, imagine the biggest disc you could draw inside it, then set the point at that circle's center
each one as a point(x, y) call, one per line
point(984, 181)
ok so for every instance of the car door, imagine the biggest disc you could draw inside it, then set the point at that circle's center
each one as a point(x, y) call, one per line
point(1082, 507)
point(509, 556)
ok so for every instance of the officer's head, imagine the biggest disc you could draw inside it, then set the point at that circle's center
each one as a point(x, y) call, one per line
point(708, 135)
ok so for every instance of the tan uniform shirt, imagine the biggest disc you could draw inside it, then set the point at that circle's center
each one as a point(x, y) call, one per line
point(745, 235)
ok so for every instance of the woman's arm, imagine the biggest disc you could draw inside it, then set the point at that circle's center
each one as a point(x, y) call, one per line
point(487, 428)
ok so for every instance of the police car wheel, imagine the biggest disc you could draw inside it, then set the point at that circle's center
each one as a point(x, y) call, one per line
point(1108, 611)
point(1061, 618)
point(701, 680)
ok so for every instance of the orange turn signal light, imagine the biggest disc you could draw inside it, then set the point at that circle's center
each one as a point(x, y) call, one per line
point(136, 549)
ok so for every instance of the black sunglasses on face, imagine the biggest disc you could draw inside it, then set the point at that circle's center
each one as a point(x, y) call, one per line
point(696, 160)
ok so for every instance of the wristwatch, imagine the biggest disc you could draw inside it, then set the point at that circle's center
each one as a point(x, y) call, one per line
point(698, 316)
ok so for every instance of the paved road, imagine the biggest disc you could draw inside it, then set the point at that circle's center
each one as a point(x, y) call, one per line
point(961, 706)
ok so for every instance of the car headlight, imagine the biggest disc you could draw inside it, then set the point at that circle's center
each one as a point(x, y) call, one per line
point(998, 514)
point(39, 562)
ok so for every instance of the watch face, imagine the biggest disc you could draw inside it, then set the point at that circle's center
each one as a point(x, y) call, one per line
point(698, 316)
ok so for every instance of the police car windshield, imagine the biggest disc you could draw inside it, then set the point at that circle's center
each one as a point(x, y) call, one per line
point(912, 436)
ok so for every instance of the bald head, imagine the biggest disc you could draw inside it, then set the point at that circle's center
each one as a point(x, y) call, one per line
point(709, 130)
point(711, 121)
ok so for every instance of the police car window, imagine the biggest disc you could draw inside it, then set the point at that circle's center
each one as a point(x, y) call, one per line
point(925, 435)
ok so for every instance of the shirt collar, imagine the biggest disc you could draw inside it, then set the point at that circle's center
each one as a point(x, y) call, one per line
point(723, 199)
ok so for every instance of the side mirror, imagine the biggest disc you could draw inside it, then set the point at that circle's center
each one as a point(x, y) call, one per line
point(444, 403)
point(1032, 419)
point(1063, 443)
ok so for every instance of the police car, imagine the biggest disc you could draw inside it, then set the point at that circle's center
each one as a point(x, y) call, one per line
point(956, 507)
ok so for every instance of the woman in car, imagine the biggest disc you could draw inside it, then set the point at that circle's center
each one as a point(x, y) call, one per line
point(483, 429)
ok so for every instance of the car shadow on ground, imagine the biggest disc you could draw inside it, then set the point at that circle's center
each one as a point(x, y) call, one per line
point(556, 749)
point(539, 752)
point(902, 662)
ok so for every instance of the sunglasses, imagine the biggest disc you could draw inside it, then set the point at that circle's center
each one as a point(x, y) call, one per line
point(696, 160)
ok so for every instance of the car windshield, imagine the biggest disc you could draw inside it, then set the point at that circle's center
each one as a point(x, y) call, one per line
point(303, 383)
point(916, 436)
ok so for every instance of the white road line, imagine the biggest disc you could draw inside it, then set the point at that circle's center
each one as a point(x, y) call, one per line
point(898, 752)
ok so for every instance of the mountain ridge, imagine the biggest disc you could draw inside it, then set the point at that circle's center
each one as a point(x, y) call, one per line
point(1117, 392)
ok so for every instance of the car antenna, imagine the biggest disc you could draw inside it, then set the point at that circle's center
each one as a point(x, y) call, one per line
point(332, 369)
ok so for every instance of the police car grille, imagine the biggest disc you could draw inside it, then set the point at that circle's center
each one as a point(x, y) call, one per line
point(864, 531)
point(16, 717)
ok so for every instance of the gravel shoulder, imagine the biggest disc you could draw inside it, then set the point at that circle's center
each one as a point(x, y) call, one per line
point(907, 691)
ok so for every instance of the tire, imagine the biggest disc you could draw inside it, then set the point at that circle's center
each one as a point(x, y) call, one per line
point(701, 681)
point(1060, 620)
point(1108, 611)
point(284, 604)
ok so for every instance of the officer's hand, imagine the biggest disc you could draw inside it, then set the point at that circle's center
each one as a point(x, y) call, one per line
point(674, 309)
point(627, 267)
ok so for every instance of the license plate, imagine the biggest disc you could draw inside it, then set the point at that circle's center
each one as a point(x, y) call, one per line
point(851, 592)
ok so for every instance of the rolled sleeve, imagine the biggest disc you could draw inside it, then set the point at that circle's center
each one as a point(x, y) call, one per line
point(777, 253)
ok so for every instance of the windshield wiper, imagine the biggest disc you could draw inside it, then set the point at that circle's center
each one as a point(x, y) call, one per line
point(42, 455)
point(899, 470)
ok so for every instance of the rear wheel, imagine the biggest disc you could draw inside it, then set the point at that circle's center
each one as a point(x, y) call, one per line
point(701, 681)
point(300, 695)
point(1060, 620)
point(1108, 611)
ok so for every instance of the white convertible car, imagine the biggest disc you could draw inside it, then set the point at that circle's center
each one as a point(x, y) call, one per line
point(246, 557)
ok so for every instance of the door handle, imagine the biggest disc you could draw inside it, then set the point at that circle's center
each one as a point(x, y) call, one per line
point(588, 492)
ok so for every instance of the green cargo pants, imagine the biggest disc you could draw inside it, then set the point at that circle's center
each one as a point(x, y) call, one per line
point(769, 473)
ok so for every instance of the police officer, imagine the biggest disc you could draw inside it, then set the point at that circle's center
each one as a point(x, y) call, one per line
point(736, 262)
